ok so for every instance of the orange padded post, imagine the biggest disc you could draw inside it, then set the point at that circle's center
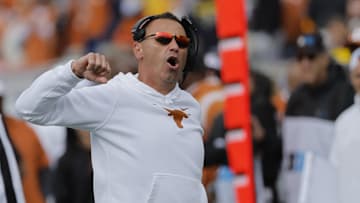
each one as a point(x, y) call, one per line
point(238, 150)
point(237, 111)
point(231, 31)
point(244, 189)
point(235, 66)
point(231, 18)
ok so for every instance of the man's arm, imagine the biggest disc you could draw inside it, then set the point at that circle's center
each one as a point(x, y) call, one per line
point(52, 99)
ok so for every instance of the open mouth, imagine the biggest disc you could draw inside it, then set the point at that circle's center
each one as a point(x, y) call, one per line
point(173, 62)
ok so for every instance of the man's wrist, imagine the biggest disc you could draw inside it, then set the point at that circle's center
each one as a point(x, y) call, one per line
point(73, 69)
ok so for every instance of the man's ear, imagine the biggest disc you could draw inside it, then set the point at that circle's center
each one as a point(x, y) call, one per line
point(138, 51)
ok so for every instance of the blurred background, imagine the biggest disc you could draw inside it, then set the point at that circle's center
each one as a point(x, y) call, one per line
point(36, 35)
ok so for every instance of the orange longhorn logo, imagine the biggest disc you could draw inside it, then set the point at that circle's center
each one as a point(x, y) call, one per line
point(177, 115)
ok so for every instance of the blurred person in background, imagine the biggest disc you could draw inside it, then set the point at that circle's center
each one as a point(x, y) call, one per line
point(28, 36)
point(53, 141)
point(266, 142)
point(353, 39)
point(40, 44)
point(32, 160)
point(322, 94)
point(323, 81)
point(345, 147)
point(321, 11)
point(335, 41)
point(11, 189)
point(73, 174)
point(203, 15)
point(131, 11)
point(146, 134)
point(81, 26)
point(85, 23)
point(352, 11)
point(294, 78)
point(293, 14)
point(336, 38)
point(205, 86)
point(266, 16)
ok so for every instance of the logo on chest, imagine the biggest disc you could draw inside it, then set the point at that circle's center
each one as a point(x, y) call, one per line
point(178, 115)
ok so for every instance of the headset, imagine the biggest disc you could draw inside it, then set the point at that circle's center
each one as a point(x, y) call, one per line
point(138, 33)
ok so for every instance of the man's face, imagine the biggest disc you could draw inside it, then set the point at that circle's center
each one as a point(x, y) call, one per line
point(355, 78)
point(162, 62)
point(313, 68)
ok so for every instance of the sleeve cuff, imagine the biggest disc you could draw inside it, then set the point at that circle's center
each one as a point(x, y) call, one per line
point(65, 72)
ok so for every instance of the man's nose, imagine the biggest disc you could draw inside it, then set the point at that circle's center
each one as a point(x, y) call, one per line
point(173, 45)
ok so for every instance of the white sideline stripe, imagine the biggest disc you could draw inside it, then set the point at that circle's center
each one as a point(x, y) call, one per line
point(241, 181)
point(234, 89)
point(229, 44)
point(235, 135)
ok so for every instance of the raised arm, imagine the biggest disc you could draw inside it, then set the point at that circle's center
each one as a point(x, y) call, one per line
point(93, 67)
point(52, 99)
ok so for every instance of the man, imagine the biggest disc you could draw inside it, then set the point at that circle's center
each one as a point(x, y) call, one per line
point(32, 160)
point(205, 86)
point(345, 147)
point(146, 137)
point(10, 183)
point(73, 174)
point(266, 144)
point(312, 109)
point(321, 94)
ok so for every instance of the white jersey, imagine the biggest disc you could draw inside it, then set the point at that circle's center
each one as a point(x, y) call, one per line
point(146, 147)
point(345, 152)
point(13, 167)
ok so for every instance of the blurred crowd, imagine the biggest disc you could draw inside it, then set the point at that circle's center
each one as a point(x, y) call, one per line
point(299, 53)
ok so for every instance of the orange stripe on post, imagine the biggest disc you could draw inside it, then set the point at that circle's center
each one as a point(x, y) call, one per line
point(237, 111)
point(235, 66)
point(231, 18)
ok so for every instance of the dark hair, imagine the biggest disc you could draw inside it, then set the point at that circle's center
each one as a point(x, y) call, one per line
point(139, 32)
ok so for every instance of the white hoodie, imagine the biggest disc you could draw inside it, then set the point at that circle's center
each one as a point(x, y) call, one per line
point(345, 153)
point(139, 153)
